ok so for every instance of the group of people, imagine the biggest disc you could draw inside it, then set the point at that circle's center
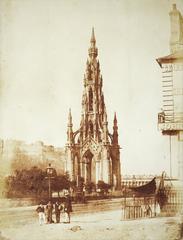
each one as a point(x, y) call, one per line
point(45, 213)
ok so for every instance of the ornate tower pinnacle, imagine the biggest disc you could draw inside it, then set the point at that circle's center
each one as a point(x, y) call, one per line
point(70, 119)
point(93, 51)
point(93, 36)
point(69, 129)
point(115, 130)
point(93, 99)
point(105, 128)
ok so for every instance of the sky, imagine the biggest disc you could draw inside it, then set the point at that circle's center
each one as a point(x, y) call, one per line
point(43, 52)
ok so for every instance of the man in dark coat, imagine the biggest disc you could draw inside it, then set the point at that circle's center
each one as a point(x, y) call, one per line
point(49, 209)
point(58, 208)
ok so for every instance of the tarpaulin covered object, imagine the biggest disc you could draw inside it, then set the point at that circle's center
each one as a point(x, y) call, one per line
point(149, 188)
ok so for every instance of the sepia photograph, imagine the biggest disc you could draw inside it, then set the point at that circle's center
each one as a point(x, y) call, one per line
point(91, 119)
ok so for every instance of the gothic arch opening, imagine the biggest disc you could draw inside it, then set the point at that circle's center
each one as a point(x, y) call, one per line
point(87, 167)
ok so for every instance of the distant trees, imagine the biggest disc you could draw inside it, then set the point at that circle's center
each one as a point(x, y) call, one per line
point(26, 182)
point(33, 183)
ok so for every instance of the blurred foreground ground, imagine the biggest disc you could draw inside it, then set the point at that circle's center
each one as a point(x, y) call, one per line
point(22, 224)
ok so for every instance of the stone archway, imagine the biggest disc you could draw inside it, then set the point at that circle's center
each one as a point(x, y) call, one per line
point(87, 166)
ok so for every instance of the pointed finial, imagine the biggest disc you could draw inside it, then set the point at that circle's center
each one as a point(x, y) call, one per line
point(70, 117)
point(115, 130)
point(115, 126)
point(70, 139)
point(93, 51)
point(115, 118)
point(93, 36)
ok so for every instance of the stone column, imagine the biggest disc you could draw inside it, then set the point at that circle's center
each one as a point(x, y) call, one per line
point(106, 174)
point(85, 172)
point(81, 168)
point(69, 164)
point(106, 166)
point(97, 169)
point(101, 170)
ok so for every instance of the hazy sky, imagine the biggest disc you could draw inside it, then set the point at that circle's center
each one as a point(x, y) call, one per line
point(43, 51)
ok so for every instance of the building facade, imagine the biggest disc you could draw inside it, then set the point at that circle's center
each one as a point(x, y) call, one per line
point(92, 152)
point(16, 155)
point(170, 120)
point(19, 155)
point(136, 180)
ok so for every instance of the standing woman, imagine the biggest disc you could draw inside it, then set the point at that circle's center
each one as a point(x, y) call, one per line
point(67, 208)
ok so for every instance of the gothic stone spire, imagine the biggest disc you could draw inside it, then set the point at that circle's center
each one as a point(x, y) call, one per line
point(93, 100)
point(115, 130)
point(69, 129)
point(93, 51)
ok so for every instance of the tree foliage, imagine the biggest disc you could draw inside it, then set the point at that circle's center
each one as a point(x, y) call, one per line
point(26, 182)
point(34, 182)
point(60, 182)
point(104, 187)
